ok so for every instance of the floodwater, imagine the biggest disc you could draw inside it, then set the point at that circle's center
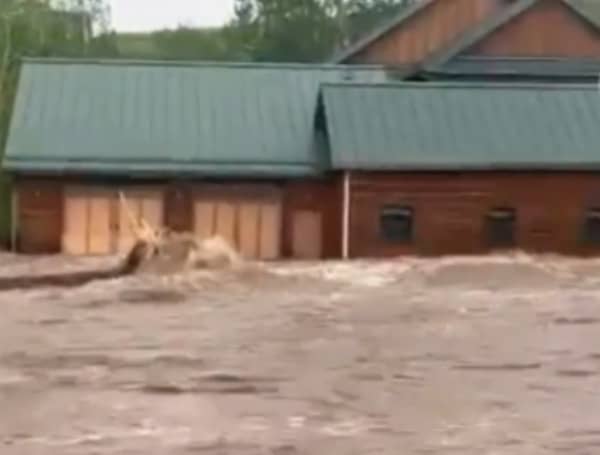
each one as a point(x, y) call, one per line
point(497, 355)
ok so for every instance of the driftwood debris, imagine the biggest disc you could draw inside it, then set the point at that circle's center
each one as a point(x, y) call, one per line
point(154, 250)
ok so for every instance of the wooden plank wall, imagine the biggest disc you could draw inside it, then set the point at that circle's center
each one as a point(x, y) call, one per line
point(426, 32)
point(450, 210)
point(549, 29)
point(39, 216)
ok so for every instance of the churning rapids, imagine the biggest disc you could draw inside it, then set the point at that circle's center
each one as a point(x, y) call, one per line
point(497, 355)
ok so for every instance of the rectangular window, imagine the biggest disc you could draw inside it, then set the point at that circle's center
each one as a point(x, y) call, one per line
point(592, 226)
point(396, 224)
point(501, 228)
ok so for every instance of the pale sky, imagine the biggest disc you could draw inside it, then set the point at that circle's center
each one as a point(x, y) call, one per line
point(145, 15)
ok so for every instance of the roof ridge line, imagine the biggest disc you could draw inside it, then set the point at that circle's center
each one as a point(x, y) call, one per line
point(528, 59)
point(197, 63)
point(550, 86)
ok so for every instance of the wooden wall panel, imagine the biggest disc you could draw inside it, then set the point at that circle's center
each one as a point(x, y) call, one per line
point(270, 231)
point(100, 235)
point(74, 235)
point(426, 32)
point(450, 209)
point(179, 208)
point(249, 229)
point(126, 236)
point(204, 218)
point(549, 29)
point(152, 208)
point(226, 221)
point(39, 216)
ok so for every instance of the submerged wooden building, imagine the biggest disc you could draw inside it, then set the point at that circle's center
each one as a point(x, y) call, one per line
point(452, 129)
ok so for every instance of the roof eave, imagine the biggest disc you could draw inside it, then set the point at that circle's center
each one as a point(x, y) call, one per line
point(461, 167)
point(161, 170)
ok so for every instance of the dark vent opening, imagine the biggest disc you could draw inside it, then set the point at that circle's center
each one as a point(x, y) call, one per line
point(396, 224)
point(500, 224)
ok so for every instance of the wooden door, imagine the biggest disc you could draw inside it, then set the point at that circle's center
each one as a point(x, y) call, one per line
point(306, 235)
point(87, 221)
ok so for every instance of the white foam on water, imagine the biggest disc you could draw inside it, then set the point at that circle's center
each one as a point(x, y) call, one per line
point(359, 273)
point(346, 428)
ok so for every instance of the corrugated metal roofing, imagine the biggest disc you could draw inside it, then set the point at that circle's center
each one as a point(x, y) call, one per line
point(463, 126)
point(162, 118)
point(584, 68)
point(588, 8)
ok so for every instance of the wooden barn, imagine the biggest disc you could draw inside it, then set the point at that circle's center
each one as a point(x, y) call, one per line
point(439, 179)
point(466, 168)
point(459, 127)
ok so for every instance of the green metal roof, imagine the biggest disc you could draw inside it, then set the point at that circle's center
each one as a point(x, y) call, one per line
point(590, 9)
point(536, 68)
point(158, 118)
point(583, 8)
point(431, 126)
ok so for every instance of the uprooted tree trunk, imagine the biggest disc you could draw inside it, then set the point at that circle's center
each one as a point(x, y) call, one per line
point(154, 250)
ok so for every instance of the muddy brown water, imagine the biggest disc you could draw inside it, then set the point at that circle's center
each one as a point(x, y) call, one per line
point(459, 355)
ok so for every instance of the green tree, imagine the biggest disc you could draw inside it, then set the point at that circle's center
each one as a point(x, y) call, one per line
point(191, 44)
point(362, 16)
point(304, 30)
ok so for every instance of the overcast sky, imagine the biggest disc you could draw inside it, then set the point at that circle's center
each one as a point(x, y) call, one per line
point(144, 15)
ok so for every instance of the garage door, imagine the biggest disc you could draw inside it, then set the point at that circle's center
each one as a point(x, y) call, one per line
point(251, 225)
point(87, 221)
point(95, 223)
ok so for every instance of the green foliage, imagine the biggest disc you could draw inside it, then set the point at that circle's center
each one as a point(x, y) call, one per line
point(192, 44)
point(268, 30)
point(306, 30)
